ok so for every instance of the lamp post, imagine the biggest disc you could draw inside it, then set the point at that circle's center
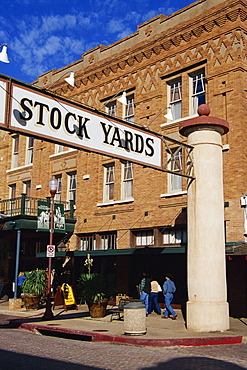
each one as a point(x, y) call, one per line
point(48, 315)
point(243, 203)
point(3, 54)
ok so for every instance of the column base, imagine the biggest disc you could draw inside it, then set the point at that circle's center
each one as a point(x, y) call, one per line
point(207, 316)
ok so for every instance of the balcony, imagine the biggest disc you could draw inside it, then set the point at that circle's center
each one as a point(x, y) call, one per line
point(29, 206)
point(23, 212)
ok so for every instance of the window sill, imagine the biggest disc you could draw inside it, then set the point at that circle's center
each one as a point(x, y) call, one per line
point(178, 120)
point(168, 195)
point(111, 203)
point(20, 168)
point(60, 154)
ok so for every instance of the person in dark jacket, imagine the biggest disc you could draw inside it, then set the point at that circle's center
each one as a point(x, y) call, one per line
point(168, 289)
point(145, 288)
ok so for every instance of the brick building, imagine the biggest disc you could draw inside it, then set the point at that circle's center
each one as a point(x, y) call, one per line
point(131, 217)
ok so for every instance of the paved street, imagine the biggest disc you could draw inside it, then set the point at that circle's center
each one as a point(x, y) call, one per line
point(20, 349)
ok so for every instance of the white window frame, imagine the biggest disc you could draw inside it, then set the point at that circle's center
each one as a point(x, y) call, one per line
point(174, 236)
point(27, 191)
point(127, 180)
point(129, 109)
point(57, 197)
point(175, 98)
point(71, 194)
point(111, 108)
point(59, 148)
point(109, 182)
point(197, 97)
point(144, 238)
point(15, 151)
point(87, 243)
point(175, 182)
point(12, 195)
point(108, 241)
point(29, 150)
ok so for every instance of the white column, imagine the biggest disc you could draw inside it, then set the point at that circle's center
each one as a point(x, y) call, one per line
point(207, 307)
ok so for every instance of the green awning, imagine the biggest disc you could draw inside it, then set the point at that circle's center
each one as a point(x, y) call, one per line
point(117, 252)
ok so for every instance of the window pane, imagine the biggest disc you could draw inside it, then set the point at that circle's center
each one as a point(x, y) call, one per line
point(59, 188)
point(72, 187)
point(127, 184)
point(176, 99)
point(144, 238)
point(111, 108)
point(15, 151)
point(109, 183)
point(175, 181)
point(198, 91)
point(129, 109)
point(108, 241)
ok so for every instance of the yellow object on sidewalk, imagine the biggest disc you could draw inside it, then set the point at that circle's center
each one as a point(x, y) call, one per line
point(68, 294)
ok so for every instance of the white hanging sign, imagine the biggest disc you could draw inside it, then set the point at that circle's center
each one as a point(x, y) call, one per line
point(34, 112)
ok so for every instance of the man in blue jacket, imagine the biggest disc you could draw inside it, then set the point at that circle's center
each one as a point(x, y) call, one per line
point(168, 289)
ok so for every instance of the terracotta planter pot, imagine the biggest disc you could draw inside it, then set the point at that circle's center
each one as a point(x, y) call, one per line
point(97, 309)
point(31, 301)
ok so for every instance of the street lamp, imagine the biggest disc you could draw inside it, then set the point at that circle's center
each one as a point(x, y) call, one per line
point(243, 203)
point(3, 54)
point(48, 315)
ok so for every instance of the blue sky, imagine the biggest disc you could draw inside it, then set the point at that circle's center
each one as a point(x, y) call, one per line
point(49, 34)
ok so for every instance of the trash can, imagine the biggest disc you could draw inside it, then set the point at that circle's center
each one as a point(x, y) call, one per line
point(135, 318)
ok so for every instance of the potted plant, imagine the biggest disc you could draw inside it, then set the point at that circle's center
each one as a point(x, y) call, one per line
point(33, 287)
point(96, 290)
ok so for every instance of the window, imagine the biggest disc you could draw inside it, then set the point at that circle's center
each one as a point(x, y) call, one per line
point(108, 241)
point(111, 108)
point(59, 188)
point(129, 109)
point(27, 191)
point(127, 180)
point(144, 238)
point(12, 191)
point(27, 188)
point(175, 181)
point(109, 183)
point(87, 243)
point(72, 186)
point(176, 99)
point(15, 151)
point(59, 148)
point(174, 236)
point(29, 153)
point(198, 91)
point(12, 195)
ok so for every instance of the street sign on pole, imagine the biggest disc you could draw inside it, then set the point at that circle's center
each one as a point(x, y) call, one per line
point(50, 251)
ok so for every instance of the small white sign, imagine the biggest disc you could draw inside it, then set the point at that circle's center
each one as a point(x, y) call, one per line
point(50, 251)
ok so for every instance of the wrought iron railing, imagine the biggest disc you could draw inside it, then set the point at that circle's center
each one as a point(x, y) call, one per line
point(29, 206)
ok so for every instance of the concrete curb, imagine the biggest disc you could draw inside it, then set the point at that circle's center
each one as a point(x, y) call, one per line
point(131, 340)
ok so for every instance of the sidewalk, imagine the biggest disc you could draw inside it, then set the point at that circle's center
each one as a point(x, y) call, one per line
point(77, 324)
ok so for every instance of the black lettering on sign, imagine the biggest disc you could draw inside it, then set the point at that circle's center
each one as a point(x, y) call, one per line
point(149, 143)
point(26, 109)
point(82, 128)
point(55, 118)
point(40, 112)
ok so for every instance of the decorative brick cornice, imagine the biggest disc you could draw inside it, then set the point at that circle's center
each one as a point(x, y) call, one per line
point(154, 46)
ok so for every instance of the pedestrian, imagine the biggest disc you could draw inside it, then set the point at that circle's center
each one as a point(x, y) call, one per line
point(145, 287)
point(154, 297)
point(20, 280)
point(168, 289)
